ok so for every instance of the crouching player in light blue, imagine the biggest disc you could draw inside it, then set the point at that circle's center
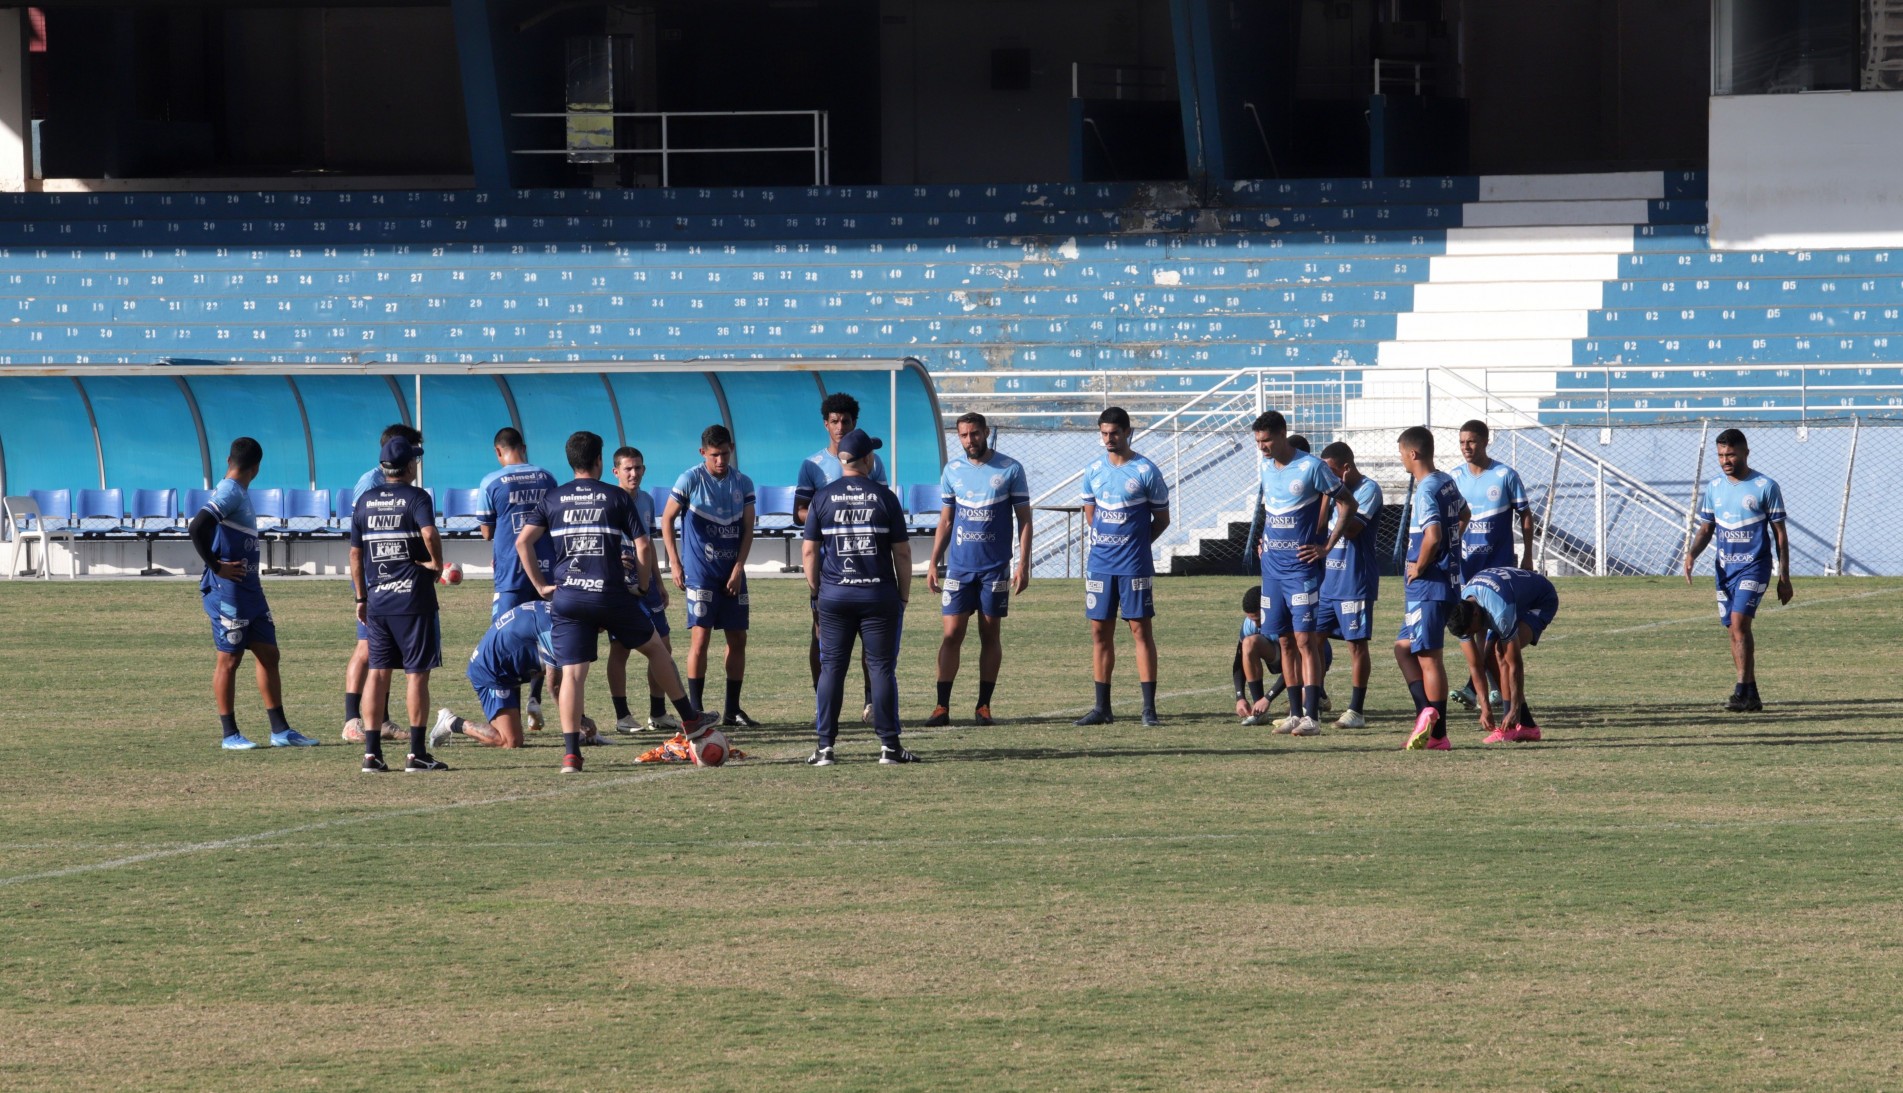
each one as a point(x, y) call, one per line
point(1746, 511)
point(518, 649)
point(1503, 610)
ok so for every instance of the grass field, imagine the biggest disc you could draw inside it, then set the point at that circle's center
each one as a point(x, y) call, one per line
point(1659, 896)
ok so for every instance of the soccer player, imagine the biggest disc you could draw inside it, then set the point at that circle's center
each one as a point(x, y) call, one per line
point(1351, 581)
point(1296, 487)
point(714, 504)
point(858, 565)
point(588, 589)
point(518, 647)
point(1510, 608)
point(630, 468)
point(1437, 511)
point(1494, 493)
point(983, 491)
point(1126, 506)
point(503, 497)
point(840, 413)
point(395, 555)
point(1746, 511)
point(1254, 653)
point(359, 665)
point(225, 534)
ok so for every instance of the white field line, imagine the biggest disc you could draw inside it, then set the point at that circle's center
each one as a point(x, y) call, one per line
point(579, 786)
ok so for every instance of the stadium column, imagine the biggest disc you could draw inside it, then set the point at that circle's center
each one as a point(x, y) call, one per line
point(482, 94)
point(1196, 75)
point(15, 127)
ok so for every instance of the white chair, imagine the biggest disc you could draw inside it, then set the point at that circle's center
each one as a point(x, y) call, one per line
point(24, 524)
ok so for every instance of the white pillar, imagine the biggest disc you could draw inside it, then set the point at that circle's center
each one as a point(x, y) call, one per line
point(16, 126)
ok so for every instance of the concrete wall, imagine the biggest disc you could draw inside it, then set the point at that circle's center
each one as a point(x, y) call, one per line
point(1794, 172)
point(942, 122)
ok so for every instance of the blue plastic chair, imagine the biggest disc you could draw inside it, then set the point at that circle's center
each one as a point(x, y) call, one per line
point(101, 512)
point(346, 508)
point(56, 507)
point(147, 506)
point(271, 508)
point(307, 512)
point(195, 501)
point(775, 503)
point(459, 512)
point(923, 500)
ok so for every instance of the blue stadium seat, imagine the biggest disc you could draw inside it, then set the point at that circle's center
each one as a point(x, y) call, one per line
point(346, 508)
point(100, 512)
point(307, 512)
point(923, 503)
point(272, 509)
point(154, 516)
point(773, 518)
point(56, 507)
point(457, 514)
point(195, 502)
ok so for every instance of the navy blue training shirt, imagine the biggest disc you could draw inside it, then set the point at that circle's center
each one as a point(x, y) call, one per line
point(590, 522)
point(855, 521)
point(388, 524)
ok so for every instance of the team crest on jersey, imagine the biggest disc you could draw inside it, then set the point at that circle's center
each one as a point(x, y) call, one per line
point(1133, 487)
point(1750, 503)
point(1493, 493)
point(1294, 489)
point(997, 481)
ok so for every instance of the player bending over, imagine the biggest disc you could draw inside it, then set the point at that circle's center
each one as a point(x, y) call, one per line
point(1504, 610)
point(589, 521)
point(1257, 656)
point(1496, 500)
point(714, 504)
point(225, 534)
point(1429, 590)
point(983, 491)
point(518, 648)
point(358, 667)
point(1126, 506)
point(1745, 510)
point(630, 468)
point(503, 498)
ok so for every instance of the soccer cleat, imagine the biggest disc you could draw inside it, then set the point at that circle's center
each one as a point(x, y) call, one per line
point(1287, 724)
point(423, 762)
point(1151, 720)
point(1523, 734)
point(891, 756)
point(1495, 699)
point(1326, 705)
point(237, 742)
point(1466, 697)
point(739, 720)
point(982, 716)
point(1095, 717)
point(667, 722)
point(571, 764)
point(532, 715)
point(353, 731)
point(1736, 702)
point(1255, 719)
point(1501, 735)
point(291, 738)
point(1752, 704)
point(391, 732)
point(1307, 726)
point(939, 719)
point(374, 764)
point(822, 756)
point(705, 723)
point(1420, 738)
point(593, 738)
point(865, 715)
point(1351, 719)
point(439, 733)
point(630, 725)
point(1442, 744)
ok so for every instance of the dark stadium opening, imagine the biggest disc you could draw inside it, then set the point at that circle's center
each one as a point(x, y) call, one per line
point(217, 91)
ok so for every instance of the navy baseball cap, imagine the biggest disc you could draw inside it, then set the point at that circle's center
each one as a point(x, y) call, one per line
point(398, 453)
point(858, 445)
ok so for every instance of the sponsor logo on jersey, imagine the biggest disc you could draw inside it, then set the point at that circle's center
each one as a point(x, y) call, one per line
point(586, 584)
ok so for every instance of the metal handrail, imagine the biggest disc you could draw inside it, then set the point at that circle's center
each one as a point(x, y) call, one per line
point(821, 148)
point(1417, 66)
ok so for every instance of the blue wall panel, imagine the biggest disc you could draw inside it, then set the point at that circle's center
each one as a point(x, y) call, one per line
point(150, 442)
point(261, 407)
point(45, 437)
point(347, 414)
point(775, 423)
point(663, 415)
point(460, 417)
point(553, 406)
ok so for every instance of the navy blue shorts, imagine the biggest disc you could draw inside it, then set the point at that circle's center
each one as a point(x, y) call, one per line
point(1539, 616)
point(579, 621)
point(506, 601)
point(413, 643)
point(1106, 596)
point(1424, 625)
point(1289, 602)
point(715, 610)
point(987, 592)
point(1349, 620)
point(235, 628)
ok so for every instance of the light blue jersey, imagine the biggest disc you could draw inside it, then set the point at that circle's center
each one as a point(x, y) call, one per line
point(368, 481)
point(983, 496)
point(1126, 497)
point(234, 540)
point(713, 522)
point(1353, 567)
point(505, 496)
point(821, 468)
point(1493, 497)
point(1437, 503)
point(1292, 496)
point(1509, 596)
point(644, 508)
point(521, 641)
point(1742, 514)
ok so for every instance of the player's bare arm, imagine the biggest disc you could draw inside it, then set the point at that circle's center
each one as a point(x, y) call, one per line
point(1430, 550)
point(902, 567)
point(1702, 540)
point(644, 565)
point(1159, 523)
point(673, 543)
point(1784, 589)
point(525, 550)
point(738, 577)
point(1023, 579)
point(356, 583)
point(1348, 525)
point(809, 564)
point(432, 542)
point(940, 540)
point(1526, 538)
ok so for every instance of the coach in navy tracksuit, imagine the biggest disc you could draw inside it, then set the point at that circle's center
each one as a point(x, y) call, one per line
point(859, 567)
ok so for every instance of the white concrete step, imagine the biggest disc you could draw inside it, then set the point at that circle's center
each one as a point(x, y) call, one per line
point(1576, 239)
point(1515, 214)
point(1510, 296)
point(1527, 353)
point(1489, 325)
point(1642, 185)
point(1523, 267)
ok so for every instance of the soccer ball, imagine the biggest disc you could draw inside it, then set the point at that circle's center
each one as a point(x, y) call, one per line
point(710, 750)
point(452, 573)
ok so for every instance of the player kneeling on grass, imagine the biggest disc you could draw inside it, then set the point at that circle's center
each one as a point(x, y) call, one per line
point(395, 555)
point(1503, 610)
point(1257, 655)
point(590, 522)
point(518, 649)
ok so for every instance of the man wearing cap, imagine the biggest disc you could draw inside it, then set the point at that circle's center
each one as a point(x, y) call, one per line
point(858, 565)
point(590, 522)
point(395, 555)
point(358, 666)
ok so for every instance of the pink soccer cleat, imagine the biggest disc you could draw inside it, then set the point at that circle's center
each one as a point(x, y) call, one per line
point(1423, 727)
point(1443, 744)
point(1523, 734)
point(1500, 735)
